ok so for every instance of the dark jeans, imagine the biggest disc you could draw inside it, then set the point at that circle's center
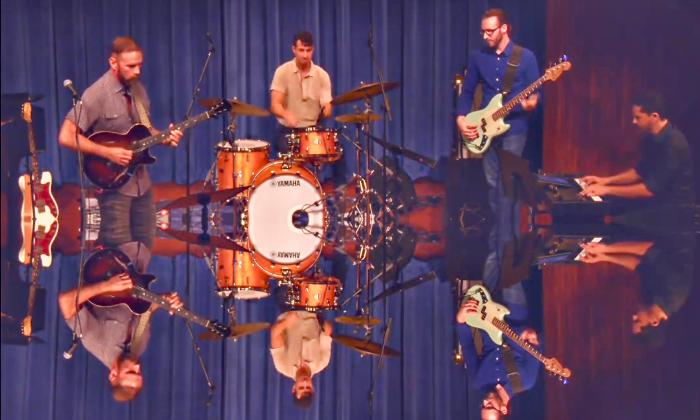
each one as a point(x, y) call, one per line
point(126, 219)
point(514, 143)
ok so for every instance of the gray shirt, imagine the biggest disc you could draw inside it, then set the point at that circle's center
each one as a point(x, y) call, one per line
point(105, 108)
point(107, 331)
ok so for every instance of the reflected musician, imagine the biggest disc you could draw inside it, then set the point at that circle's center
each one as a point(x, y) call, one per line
point(115, 335)
point(301, 347)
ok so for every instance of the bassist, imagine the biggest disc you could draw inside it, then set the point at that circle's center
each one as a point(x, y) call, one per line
point(488, 67)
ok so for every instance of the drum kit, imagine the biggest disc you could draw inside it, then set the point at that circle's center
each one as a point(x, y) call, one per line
point(280, 217)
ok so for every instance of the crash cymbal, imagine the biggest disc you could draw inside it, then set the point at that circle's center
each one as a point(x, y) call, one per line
point(365, 347)
point(237, 331)
point(204, 198)
point(204, 239)
point(358, 118)
point(237, 107)
point(357, 320)
point(364, 91)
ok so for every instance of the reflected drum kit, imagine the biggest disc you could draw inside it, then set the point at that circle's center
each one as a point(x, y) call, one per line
point(280, 211)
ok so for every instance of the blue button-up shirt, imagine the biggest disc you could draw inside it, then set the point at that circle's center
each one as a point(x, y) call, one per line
point(490, 370)
point(489, 68)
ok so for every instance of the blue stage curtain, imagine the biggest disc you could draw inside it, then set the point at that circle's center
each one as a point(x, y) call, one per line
point(421, 44)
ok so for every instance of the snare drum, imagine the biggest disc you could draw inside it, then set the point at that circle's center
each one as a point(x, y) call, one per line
point(286, 218)
point(237, 163)
point(315, 144)
point(314, 293)
point(236, 274)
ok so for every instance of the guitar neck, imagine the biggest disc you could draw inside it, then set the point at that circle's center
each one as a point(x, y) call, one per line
point(505, 109)
point(505, 328)
point(149, 296)
point(143, 144)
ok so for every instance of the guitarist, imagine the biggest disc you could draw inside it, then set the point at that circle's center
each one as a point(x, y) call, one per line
point(488, 67)
point(488, 364)
point(114, 335)
point(115, 102)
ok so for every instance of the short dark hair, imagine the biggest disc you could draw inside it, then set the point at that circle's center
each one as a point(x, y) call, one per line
point(650, 101)
point(500, 14)
point(122, 44)
point(303, 402)
point(305, 37)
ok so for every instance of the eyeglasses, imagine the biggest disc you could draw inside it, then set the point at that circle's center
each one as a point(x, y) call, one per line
point(489, 32)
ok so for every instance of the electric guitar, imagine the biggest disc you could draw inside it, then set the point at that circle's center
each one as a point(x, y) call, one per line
point(489, 317)
point(109, 262)
point(39, 209)
point(489, 120)
point(109, 175)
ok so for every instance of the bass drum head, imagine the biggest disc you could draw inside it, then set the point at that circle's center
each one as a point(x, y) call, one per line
point(286, 215)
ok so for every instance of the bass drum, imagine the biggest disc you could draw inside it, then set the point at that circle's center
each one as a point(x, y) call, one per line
point(287, 219)
point(237, 275)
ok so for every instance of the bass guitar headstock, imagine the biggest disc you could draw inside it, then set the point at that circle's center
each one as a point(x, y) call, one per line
point(554, 71)
point(555, 367)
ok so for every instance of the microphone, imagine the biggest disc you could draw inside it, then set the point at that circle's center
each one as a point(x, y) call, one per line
point(68, 354)
point(211, 41)
point(68, 84)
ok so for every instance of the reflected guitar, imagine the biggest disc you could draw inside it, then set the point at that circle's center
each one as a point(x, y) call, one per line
point(39, 209)
point(109, 262)
point(109, 175)
point(489, 318)
point(489, 120)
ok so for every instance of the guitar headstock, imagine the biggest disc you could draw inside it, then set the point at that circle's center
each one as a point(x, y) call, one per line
point(554, 71)
point(26, 328)
point(554, 367)
point(220, 108)
point(220, 329)
point(27, 112)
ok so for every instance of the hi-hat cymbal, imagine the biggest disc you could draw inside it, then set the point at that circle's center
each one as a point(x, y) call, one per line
point(357, 320)
point(358, 118)
point(363, 91)
point(237, 107)
point(204, 198)
point(237, 331)
point(365, 347)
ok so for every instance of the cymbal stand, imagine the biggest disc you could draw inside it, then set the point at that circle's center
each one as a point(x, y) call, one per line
point(210, 384)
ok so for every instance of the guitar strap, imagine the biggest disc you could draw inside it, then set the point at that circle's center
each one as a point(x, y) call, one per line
point(508, 78)
point(137, 337)
point(141, 109)
point(513, 374)
point(513, 64)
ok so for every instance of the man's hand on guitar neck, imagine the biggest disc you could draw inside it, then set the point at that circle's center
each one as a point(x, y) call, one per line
point(174, 137)
point(467, 131)
point(173, 300)
point(530, 336)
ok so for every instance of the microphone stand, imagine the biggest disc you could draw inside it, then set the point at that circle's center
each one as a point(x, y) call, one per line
point(195, 93)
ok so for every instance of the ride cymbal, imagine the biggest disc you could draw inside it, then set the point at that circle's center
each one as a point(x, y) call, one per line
point(364, 91)
point(358, 118)
point(237, 107)
point(357, 320)
point(365, 347)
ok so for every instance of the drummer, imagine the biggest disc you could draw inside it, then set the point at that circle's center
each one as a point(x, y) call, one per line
point(300, 347)
point(300, 92)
